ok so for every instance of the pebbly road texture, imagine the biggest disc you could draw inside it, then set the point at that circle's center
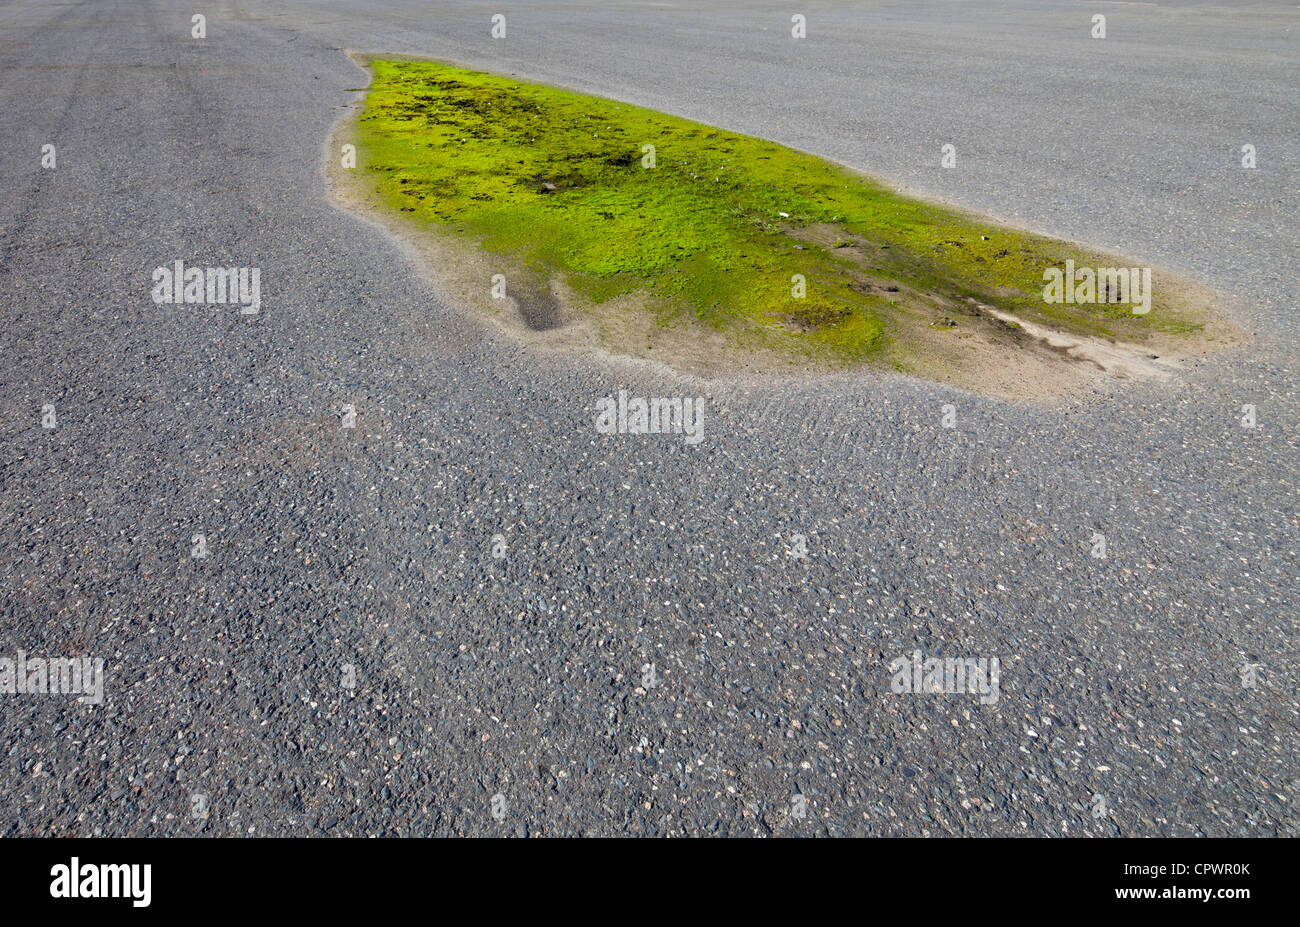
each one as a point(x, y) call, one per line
point(647, 656)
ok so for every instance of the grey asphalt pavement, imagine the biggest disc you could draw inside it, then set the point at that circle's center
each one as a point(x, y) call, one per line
point(647, 657)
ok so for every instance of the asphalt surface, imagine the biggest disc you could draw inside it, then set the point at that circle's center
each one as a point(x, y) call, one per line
point(1121, 707)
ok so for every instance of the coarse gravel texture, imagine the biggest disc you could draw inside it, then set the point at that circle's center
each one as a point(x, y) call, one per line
point(1121, 708)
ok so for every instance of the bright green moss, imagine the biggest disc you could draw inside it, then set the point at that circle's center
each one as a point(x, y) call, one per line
point(718, 226)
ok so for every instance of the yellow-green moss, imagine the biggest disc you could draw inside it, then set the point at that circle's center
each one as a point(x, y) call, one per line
point(717, 227)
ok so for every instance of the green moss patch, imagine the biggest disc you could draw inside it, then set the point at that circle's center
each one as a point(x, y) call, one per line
point(561, 184)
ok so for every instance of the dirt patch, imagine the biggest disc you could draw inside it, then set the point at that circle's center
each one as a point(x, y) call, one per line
point(539, 310)
point(935, 334)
